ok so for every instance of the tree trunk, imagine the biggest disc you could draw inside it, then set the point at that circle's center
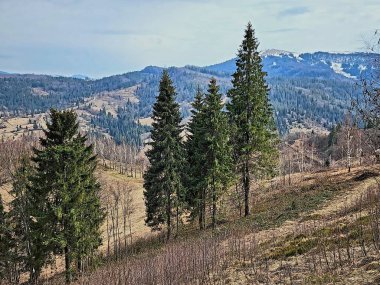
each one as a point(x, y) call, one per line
point(200, 209)
point(213, 204)
point(33, 277)
point(246, 185)
point(79, 265)
point(203, 208)
point(68, 276)
point(200, 216)
point(238, 198)
point(177, 220)
point(168, 215)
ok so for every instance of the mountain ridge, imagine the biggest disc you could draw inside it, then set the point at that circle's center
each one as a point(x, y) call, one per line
point(268, 53)
point(328, 64)
point(311, 89)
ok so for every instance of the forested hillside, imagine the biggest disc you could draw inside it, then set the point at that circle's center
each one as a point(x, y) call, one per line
point(311, 89)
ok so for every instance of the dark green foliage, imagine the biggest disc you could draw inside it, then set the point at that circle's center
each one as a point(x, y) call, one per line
point(251, 116)
point(64, 188)
point(208, 154)
point(125, 127)
point(5, 242)
point(333, 135)
point(61, 129)
point(195, 187)
point(163, 179)
point(217, 154)
point(28, 248)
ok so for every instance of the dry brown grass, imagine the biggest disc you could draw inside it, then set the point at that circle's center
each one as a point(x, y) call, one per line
point(293, 237)
point(299, 249)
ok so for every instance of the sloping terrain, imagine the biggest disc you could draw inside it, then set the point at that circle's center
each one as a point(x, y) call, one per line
point(124, 226)
point(333, 244)
point(320, 230)
point(312, 89)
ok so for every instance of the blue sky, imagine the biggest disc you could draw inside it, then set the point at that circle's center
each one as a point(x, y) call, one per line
point(100, 38)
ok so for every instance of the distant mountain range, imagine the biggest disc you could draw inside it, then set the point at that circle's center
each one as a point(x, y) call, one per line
point(278, 63)
point(81, 76)
point(307, 89)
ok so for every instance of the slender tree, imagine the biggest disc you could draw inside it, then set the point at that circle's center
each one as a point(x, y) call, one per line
point(66, 193)
point(251, 116)
point(218, 151)
point(195, 144)
point(163, 179)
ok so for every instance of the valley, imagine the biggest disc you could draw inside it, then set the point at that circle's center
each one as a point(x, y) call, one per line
point(306, 90)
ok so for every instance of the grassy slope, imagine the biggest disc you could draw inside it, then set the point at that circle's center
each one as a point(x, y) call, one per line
point(321, 244)
point(291, 237)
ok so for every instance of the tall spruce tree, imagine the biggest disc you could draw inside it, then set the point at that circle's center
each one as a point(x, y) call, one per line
point(66, 193)
point(195, 144)
point(254, 133)
point(163, 179)
point(217, 152)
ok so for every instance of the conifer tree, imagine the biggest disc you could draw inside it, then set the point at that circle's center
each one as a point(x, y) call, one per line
point(251, 115)
point(195, 144)
point(27, 248)
point(217, 151)
point(66, 193)
point(163, 179)
point(5, 237)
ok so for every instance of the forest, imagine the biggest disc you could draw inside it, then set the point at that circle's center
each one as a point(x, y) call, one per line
point(295, 90)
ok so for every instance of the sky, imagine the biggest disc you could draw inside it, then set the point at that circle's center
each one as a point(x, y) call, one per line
point(101, 38)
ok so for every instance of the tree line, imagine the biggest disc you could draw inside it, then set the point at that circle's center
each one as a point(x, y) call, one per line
point(233, 143)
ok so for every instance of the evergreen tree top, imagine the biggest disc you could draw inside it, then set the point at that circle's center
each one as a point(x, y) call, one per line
point(249, 62)
point(250, 41)
point(213, 88)
point(166, 84)
point(198, 100)
point(166, 109)
point(196, 116)
point(61, 128)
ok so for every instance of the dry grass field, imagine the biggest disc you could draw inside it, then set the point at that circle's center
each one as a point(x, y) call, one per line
point(320, 229)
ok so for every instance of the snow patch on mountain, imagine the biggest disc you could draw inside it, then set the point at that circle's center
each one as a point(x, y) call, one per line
point(281, 53)
point(337, 67)
point(275, 52)
point(297, 56)
point(362, 67)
